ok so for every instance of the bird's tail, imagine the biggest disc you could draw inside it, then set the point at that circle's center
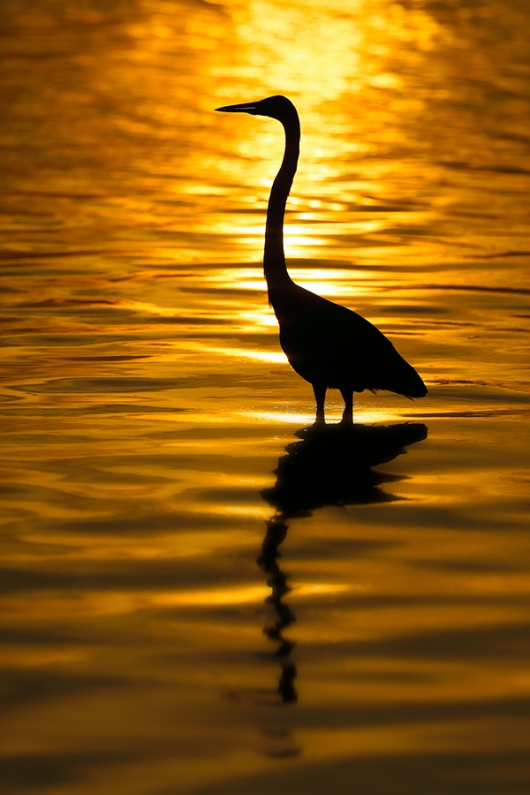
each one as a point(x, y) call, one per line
point(403, 379)
point(412, 385)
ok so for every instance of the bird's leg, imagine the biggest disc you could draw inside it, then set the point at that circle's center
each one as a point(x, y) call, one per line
point(320, 397)
point(347, 414)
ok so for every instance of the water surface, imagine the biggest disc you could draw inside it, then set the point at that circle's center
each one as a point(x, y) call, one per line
point(199, 595)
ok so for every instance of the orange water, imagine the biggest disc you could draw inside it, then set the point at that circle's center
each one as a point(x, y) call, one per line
point(147, 407)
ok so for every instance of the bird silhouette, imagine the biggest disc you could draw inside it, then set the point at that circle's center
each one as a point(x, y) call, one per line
point(327, 344)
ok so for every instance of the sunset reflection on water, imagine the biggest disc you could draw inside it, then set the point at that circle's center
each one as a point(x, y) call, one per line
point(153, 446)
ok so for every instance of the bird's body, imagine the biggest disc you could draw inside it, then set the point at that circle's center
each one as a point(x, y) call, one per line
point(326, 344)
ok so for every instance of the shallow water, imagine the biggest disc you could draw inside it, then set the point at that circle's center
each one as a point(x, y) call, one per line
point(153, 443)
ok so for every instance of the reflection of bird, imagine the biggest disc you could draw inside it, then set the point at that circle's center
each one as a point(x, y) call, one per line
point(332, 465)
point(328, 345)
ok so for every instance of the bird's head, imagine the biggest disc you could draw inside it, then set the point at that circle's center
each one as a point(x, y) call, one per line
point(276, 107)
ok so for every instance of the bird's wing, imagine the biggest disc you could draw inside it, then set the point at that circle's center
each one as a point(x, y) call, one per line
point(327, 341)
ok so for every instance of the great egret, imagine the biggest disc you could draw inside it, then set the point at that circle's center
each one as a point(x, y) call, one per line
point(328, 345)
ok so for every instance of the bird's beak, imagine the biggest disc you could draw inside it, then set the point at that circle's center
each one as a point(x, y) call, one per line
point(244, 107)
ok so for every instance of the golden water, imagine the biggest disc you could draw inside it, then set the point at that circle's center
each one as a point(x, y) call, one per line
point(146, 404)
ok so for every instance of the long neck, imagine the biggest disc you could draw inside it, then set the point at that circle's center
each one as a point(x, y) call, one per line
point(274, 257)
